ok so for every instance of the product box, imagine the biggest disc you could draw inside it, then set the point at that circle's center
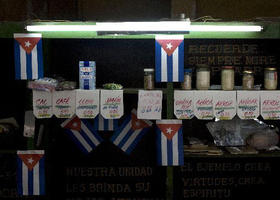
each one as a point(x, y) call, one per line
point(87, 75)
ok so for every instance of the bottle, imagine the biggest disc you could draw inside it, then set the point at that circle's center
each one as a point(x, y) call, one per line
point(248, 80)
point(187, 84)
point(148, 79)
point(227, 77)
point(270, 78)
point(202, 77)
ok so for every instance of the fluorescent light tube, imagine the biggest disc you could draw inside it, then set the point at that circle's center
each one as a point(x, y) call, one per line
point(221, 28)
point(117, 26)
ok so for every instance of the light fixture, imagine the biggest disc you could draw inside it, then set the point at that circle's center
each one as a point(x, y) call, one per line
point(161, 26)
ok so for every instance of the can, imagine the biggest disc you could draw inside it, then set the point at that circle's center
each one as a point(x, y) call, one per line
point(87, 72)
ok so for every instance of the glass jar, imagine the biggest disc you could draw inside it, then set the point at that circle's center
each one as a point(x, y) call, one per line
point(270, 78)
point(227, 77)
point(248, 80)
point(202, 77)
point(187, 84)
point(148, 79)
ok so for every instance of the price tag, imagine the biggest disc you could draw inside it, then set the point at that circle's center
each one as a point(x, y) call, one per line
point(111, 105)
point(87, 103)
point(248, 104)
point(224, 104)
point(149, 104)
point(203, 104)
point(270, 105)
point(183, 104)
point(64, 103)
point(42, 104)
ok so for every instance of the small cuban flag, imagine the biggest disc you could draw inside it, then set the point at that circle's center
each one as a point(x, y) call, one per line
point(170, 147)
point(101, 124)
point(28, 56)
point(31, 172)
point(82, 133)
point(169, 58)
point(130, 132)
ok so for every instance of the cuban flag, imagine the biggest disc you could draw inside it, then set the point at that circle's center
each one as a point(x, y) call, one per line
point(28, 56)
point(130, 132)
point(82, 133)
point(170, 148)
point(101, 124)
point(31, 172)
point(169, 58)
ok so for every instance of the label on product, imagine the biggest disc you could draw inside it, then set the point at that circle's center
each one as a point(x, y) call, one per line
point(183, 104)
point(64, 103)
point(270, 105)
point(87, 103)
point(203, 104)
point(224, 104)
point(42, 104)
point(111, 104)
point(248, 104)
point(87, 75)
point(149, 104)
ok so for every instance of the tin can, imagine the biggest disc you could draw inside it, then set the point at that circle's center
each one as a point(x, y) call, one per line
point(87, 72)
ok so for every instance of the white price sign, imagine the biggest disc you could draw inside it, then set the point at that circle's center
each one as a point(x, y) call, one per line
point(270, 105)
point(87, 103)
point(42, 104)
point(183, 104)
point(203, 104)
point(64, 103)
point(248, 104)
point(111, 104)
point(149, 104)
point(224, 104)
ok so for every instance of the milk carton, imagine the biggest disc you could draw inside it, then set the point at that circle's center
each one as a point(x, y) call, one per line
point(87, 72)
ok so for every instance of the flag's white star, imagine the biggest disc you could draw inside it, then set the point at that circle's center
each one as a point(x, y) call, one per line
point(30, 160)
point(75, 124)
point(169, 45)
point(27, 44)
point(169, 130)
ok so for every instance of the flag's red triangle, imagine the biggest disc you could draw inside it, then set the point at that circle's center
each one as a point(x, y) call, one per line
point(138, 123)
point(169, 130)
point(28, 43)
point(30, 160)
point(74, 124)
point(169, 46)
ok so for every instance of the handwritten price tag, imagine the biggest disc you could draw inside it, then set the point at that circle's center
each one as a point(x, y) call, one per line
point(224, 104)
point(111, 105)
point(149, 104)
point(270, 105)
point(87, 103)
point(64, 103)
point(203, 104)
point(248, 104)
point(42, 104)
point(183, 104)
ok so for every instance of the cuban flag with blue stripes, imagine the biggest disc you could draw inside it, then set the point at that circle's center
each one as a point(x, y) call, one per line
point(130, 132)
point(31, 172)
point(28, 56)
point(169, 57)
point(170, 147)
point(82, 133)
point(101, 124)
